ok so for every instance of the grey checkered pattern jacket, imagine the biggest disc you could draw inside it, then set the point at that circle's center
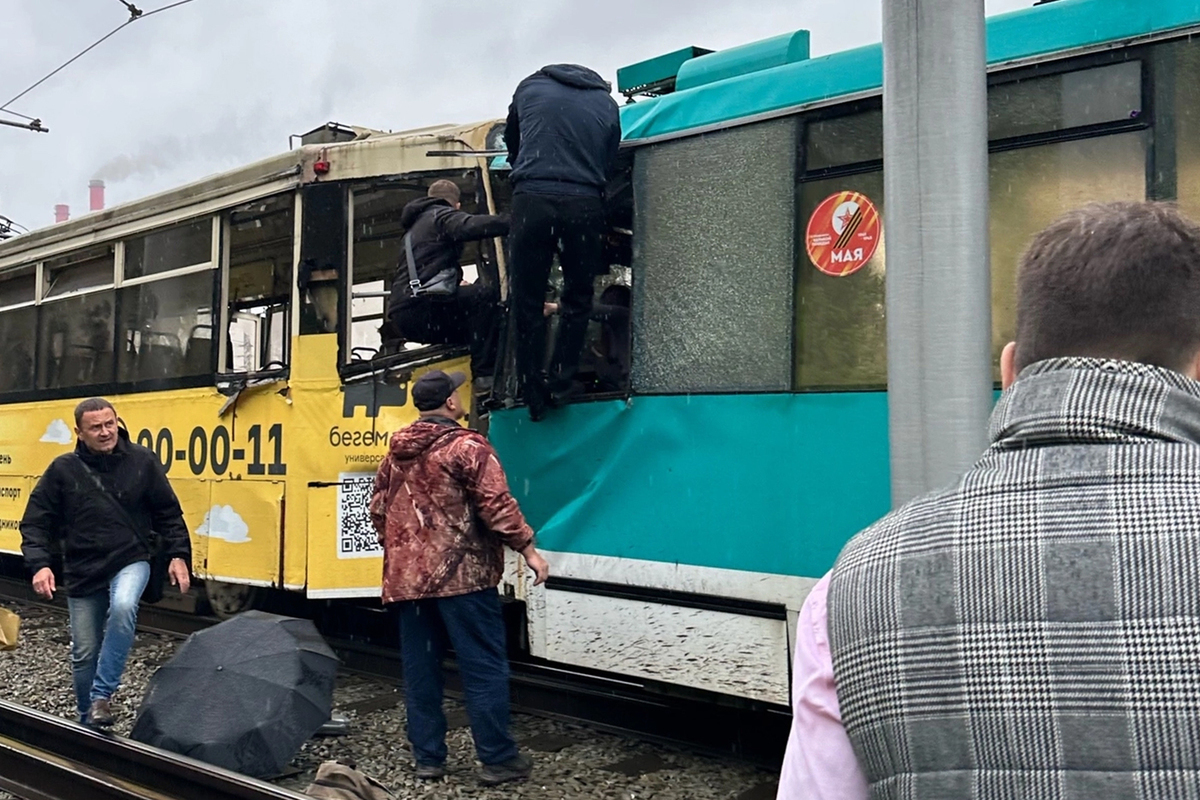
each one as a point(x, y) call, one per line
point(1033, 631)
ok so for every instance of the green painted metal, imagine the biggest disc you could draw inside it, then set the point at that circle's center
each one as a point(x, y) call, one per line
point(1041, 30)
point(788, 48)
point(765, 483)
point(655, 70)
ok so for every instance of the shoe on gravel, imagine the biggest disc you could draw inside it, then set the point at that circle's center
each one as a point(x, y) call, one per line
point(430, 772)
point(515, 769)
point(100, 714)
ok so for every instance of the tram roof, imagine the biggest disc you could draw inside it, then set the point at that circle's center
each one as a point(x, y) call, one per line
point(375, 153)
point(1060, 26)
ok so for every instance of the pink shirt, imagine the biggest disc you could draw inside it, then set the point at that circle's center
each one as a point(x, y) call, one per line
point(819, 763)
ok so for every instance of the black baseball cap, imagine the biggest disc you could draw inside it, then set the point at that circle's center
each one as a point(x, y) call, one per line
point(434, 388)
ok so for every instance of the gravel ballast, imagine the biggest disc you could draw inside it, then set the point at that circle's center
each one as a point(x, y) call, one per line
point(570, 761)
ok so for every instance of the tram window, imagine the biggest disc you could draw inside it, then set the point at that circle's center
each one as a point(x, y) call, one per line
point(84, 269)
point(841, 327)
point(1069, 100)
point(18, 332)
point(1032, 186)
point(377, 245)
point(377, 248)
point(76, 341)
point(171, 248)
point(841, 333)
point(844, 140)
point(166, 328)
point(712, 303)
point(261, 253)
point(18, 286)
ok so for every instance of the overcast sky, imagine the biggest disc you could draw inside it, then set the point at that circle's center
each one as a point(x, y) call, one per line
point(217, 83)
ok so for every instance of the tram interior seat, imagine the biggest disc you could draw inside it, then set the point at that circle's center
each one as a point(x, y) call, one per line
point(160, 356)
point(77, 366)
point(197, 358)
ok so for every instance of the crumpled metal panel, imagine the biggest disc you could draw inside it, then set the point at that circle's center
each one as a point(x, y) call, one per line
point(713, 251)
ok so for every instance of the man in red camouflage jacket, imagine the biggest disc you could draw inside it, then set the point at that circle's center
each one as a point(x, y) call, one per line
point(443, 511)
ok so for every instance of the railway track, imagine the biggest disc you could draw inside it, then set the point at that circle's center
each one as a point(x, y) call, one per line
point(43, 757)
point(602, 702)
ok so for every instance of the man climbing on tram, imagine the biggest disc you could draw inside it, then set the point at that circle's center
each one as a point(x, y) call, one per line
point(103, 499)
point(429, 302)
point(443, 511)
point(562, 134)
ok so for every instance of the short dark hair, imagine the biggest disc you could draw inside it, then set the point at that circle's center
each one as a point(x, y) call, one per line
point(446, 190)
point(90, 405)
point(1112, 280)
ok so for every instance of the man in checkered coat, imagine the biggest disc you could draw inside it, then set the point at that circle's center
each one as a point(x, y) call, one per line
point(1033, 630)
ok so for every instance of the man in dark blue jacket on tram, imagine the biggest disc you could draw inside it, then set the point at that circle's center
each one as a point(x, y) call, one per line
point(563, 132)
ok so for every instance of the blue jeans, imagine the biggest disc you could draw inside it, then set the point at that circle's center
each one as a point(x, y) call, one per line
point(475, 628)
point(102, 629)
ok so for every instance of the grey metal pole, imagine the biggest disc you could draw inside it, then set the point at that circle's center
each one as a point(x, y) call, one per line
point(936, 224)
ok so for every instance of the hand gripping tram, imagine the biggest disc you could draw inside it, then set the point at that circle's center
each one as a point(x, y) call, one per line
point(732, 434)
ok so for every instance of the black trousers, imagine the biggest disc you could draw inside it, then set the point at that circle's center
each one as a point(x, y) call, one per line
point(543, 225)
point(469, 318)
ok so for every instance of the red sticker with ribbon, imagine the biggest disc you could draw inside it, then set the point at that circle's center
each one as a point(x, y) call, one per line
point(843, 233)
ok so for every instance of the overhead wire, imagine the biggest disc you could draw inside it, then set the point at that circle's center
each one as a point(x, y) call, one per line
point(133, 17)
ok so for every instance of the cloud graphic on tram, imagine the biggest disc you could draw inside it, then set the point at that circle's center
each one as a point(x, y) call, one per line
point(222, 522)
point(57, 432)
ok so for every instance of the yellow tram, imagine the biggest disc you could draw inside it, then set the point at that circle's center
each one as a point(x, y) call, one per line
point(234, 322)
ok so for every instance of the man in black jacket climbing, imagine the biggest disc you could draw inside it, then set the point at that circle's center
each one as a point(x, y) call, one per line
point(443, 311)
point(106, 561)
point(563, 132)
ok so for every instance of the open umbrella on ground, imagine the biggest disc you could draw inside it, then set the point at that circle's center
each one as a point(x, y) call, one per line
point(244, 695)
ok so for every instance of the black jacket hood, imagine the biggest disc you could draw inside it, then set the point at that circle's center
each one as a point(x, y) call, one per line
point(576, 76)
point(418, 207)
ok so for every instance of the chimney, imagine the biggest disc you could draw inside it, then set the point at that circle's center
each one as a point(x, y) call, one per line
point(62, 212)
point(96, 196)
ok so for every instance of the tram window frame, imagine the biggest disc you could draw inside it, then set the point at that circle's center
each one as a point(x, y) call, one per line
point(141, 351)
point(165, 234)
point(268, 314)
point(75, 262)
point(475, 254)
point(1053, 69)
point(18, 317)
point(664, 360)
point(15, 273)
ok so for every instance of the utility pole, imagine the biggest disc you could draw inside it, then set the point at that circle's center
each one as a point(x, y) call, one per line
point(936, 214)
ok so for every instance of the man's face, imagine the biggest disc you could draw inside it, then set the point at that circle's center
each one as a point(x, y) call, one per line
point(98, 430)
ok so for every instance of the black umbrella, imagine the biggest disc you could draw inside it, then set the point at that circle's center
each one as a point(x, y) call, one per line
point(244, 695)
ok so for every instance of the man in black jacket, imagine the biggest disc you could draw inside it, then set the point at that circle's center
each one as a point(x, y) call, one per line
point(562, 134)
point(106, 563)
point(458, 314)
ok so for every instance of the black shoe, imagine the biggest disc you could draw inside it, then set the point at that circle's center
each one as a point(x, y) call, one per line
point(537, 399)
point(515, 769)
point(100, 714)
point(430, 772)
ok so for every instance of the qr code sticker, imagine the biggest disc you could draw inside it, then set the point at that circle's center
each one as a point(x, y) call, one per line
point(356, 534)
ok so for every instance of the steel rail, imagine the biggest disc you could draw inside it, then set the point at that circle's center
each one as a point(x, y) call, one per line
point(44, 757)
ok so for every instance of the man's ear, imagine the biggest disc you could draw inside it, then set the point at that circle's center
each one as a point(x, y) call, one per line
point(1194, 372)
point(1008, 365)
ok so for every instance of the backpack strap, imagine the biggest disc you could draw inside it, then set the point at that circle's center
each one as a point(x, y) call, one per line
point(103, 492)
point(414, 281)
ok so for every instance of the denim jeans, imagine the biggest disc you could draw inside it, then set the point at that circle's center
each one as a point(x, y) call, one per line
point(474, 625)
point(102, 629)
